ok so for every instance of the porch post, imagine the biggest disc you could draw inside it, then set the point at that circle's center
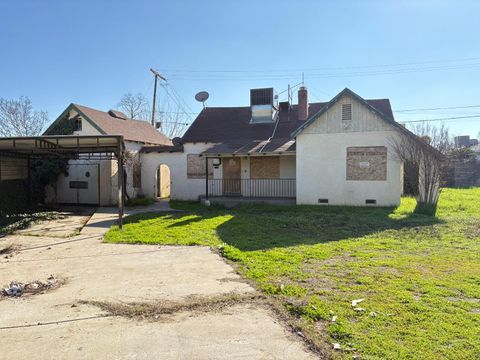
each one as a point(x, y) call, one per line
point(29, 177)
point(206, 177)
point(120, 186)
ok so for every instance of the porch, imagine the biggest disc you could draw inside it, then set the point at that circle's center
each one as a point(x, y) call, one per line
point(251, 188)
point(251, 178)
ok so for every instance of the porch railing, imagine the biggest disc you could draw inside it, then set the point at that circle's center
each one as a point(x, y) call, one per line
point(252, 188)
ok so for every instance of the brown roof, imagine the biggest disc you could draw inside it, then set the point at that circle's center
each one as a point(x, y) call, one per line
point(132, 130)
point(230, 128)
point(162, 149)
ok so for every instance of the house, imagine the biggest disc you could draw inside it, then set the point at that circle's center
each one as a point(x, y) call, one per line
point(337, 152)
point(91, 180)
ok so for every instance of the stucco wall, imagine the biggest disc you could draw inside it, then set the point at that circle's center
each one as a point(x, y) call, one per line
point(133, 148)
point(322, 154)
point(108, 170)
point(181, 187)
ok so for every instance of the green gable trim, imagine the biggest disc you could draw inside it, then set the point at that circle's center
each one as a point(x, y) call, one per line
point(332, 102)
point(65, 113)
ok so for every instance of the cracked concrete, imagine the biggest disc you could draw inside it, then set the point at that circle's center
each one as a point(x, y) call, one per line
point(95, 271)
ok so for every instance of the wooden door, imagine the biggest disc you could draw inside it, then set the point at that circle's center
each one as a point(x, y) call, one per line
point(231, 176)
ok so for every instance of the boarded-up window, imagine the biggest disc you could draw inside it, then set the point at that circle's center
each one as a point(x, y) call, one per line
point(265, 167)
point(137, 175)
point(367, 163)
point(196, 167)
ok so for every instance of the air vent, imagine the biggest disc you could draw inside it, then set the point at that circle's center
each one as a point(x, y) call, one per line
point(261, 96)
point(346, 112)
point(370, 201)
point(117, 114)
point(284, 106)
point(264, 105)
point(323, 201)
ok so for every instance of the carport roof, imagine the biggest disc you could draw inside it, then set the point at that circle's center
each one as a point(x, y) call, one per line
point(61, 144)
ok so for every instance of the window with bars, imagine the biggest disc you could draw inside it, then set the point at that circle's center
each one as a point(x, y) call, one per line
point(346, 112)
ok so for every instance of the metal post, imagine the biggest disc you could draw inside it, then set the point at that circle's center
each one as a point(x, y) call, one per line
point(29, 177)
point(206, 178)
point(120, 186)
point(154, 100)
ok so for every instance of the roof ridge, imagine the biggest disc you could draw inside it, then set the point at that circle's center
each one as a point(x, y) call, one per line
point(106, 112)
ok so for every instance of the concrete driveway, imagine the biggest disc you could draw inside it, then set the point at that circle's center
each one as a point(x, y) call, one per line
point(74, 321)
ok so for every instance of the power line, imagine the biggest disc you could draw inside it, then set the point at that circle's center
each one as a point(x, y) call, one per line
point(440, 108)
point(443, 119)
point(177, 112)
point(321, 68)
point(284, 75)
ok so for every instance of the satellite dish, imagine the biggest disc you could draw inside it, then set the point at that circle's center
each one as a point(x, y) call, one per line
point(202, 96)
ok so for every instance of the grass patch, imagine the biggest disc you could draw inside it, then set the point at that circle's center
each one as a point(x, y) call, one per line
point(12, 223)
point(315, 260)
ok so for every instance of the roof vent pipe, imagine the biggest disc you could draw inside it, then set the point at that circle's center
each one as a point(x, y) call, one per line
point(302, 103)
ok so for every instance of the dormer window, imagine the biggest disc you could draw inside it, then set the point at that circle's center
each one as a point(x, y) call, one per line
point(346, 112)
point(78, 123)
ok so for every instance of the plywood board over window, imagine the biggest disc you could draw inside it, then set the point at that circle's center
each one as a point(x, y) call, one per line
point(367, 163)
point(196, 167)
point(265, 167)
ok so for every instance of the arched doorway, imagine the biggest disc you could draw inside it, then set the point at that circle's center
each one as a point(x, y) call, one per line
point(162, 182)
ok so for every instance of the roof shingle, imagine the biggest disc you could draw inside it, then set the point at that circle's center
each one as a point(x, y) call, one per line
point(230, 128)
point(132, 130)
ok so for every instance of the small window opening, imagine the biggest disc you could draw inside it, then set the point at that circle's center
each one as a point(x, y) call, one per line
point(323, 201)
point(370, 201)
point(78, 124)
point(346, 112)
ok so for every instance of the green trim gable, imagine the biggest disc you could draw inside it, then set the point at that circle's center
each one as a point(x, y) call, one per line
point(332, 102)
point(62, 117)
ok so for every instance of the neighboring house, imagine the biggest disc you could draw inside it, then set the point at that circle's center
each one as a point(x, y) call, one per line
point(336, 153)
point(91, 181)
point(465, 141)
point(466, 168)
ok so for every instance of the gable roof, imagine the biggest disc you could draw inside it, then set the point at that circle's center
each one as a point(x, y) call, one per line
point(130, 129)
point(229, 128)
point(381, 107)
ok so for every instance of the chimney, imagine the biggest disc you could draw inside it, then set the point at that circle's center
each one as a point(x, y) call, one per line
point(302, 103)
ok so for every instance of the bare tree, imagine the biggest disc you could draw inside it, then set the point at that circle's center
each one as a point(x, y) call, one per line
point(425, 151)
point(17, 118)
point(172, 119)
point(135, 106)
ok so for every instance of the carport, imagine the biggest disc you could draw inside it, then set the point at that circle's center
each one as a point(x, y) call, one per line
point(17, 152)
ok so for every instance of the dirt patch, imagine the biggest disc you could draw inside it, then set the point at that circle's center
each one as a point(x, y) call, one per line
point(465, 299)
point(158, 310)
point(8, 250)
point(17, 289)
point(332, 261)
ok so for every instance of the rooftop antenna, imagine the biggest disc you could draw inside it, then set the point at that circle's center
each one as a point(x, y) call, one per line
point(202, 96)
point(303, 78)
point(157, 75)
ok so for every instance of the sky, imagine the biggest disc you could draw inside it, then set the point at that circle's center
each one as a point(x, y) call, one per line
point(420, 54)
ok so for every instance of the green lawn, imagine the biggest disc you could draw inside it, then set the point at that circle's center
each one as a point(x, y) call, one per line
point(419, 275)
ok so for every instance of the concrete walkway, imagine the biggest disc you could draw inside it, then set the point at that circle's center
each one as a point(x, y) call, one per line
point(58, 324)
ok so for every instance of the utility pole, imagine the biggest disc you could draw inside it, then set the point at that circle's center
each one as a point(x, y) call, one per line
point(157, 75)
